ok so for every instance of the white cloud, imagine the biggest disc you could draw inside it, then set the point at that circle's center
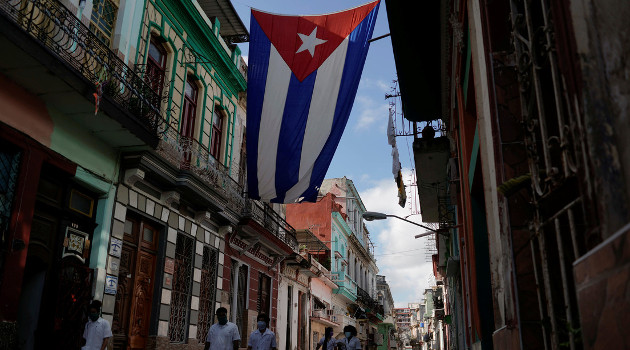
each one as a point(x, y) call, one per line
point(370, 113)
point(400, 257)
point(367, 83)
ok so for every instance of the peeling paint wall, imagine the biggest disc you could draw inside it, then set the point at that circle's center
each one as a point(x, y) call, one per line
point(603, 42)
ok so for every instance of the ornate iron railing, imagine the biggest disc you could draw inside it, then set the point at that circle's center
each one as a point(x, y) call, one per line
point(9, 166)
point(272, 221)
point(187, 153)
point(364, 297)
point(207, 292)
point(180, 295)
point(59, 30)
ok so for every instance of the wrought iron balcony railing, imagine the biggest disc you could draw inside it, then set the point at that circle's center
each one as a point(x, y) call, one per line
point(62, 33)
point(187, 153)
point(364, 297)
point(272, 221)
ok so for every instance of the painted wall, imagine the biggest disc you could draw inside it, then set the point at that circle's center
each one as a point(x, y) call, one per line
point(82, 147)
point(24, 111)
point(321, 290)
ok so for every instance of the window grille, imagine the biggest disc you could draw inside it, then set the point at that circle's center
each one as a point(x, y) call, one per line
point(553, 138)
point(9, 166)
point(103, 20)
point(208, 292)
point(182, 286)
point(241, 302)
point(264, 297)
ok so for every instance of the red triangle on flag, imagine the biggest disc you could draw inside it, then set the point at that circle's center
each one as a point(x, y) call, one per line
point(320, 35)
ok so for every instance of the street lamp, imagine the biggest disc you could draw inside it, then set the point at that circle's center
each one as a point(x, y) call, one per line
point(372, 215)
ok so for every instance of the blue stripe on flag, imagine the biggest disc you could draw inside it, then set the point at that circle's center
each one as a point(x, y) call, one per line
point(256, 77)
point(294, 120)
point(355, 59)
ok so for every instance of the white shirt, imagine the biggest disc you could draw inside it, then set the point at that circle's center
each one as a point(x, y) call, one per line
point(331, 343)
point(95, 332)
point(264, 341)
point(222, 337)
point(353, 344)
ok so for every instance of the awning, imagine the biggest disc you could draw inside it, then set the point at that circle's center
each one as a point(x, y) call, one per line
point(232, 28)
point(318, 304)
point(312, 243)
point(415, 29)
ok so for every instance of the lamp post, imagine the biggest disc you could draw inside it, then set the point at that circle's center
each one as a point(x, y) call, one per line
point(372, 215)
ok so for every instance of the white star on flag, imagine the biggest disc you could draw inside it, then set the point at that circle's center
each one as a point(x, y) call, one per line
point(309, 42)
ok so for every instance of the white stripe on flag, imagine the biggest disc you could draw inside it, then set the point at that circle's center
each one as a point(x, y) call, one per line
point(320, 117)
point(276, 88)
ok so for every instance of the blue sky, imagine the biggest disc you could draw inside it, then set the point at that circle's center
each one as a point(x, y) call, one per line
point(364, 155)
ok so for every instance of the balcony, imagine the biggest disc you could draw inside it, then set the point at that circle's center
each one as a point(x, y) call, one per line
point(347, 286)
point(259, 218)
point(50, 52)
point(370, 303)
point(325, 317)
point(187, 154)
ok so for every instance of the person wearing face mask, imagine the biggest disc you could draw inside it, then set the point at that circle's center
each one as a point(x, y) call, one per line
point(350, 341)
point(262, 338)
point(327, 341)
point(97, 330)
point(223, 335)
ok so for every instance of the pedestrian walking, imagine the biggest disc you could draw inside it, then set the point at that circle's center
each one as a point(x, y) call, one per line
point(262, 338)
point(223, 335)
point(327, 342)
point(350, 341)
point(97, 330)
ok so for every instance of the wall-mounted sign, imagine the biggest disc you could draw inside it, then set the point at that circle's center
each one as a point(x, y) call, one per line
point(111, 284)
point(75, 243)
point(115, 247)
point(113, 265)
point(169, 265)
point(168, 281)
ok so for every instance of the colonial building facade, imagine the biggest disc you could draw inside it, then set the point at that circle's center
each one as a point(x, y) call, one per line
point(122, 133)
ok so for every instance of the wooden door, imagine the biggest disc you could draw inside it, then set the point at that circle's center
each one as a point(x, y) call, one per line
point(122, 310)
point(134, 296)
point(141, 300)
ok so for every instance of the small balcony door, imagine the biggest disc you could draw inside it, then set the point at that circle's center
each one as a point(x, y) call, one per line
point(217, 131)
point(156, 68)
point(188, 119)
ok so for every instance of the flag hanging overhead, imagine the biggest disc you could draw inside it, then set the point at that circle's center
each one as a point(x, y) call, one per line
point(302, 79)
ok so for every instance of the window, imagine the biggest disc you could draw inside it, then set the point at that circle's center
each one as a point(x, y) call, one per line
point(264, 293)
point(9, 166)
point(156, 67)
point(217, 131)
point(242, 167)
point(104, 19)
point(208, 290)
point(182, 285)
point(190, 108)
point(81, 203)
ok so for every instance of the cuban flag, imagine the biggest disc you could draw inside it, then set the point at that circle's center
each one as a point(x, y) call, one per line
point(302, 80)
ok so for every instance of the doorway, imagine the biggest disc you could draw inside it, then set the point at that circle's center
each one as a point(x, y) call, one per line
point(57, 282)
point(134, 296)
